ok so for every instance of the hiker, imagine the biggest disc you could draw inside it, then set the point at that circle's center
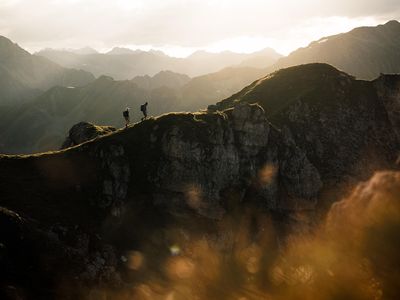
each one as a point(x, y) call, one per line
point(143, 109)
point(126, 116)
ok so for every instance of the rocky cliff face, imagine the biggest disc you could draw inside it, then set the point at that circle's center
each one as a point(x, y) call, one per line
point(346, 127)
point(187, 161)
point(176, 166)
point(83, 132)
point(327, 129)
point(214, 152)
point(314, 130)
point(388, 91)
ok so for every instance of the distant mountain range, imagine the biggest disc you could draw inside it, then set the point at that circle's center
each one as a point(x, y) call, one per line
point(24, 76)
point(163, 79)
point(74, 96)
point(364, 52)
point(241, 193)
point(125, 64)
point(52, 114)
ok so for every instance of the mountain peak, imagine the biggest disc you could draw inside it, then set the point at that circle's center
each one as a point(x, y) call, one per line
point(122, 51)
point(314, 82)
point(104, 78)
point(393, 22)
point(363, 52)
point(3, 39)
point(84, 51)
point(8, 46)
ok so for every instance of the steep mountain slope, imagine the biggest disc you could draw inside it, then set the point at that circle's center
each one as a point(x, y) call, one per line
point(206, 89)
point(22, 75)
point(200, 201)
point(123, 64)
point(14, 91)
point(337, 120)
point(364, 52)
point(54, 112)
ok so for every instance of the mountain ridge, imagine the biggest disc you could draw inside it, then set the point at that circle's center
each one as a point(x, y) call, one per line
point(24, 75)
point(103, 100)
point(364, 52)
point(184, 180)
point(139, 63)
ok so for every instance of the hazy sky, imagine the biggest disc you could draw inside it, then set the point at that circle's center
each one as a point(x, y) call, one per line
point(181, 26)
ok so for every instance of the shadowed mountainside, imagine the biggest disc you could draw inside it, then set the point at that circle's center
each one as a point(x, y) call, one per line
point(158, 202)
point(102, 102)
point(124, 64)
point(364, 52)
point(23, 76)
point(329, 114)
point(162, 79)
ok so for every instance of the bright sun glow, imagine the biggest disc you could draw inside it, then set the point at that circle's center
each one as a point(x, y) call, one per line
point(179, 28)
point(300, 36)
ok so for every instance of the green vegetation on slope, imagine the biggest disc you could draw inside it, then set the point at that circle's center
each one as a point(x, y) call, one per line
point(275, 92)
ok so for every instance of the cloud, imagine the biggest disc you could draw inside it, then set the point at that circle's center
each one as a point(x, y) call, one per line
point(190, 23)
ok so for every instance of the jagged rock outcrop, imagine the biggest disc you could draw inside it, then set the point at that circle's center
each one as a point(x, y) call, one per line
point(345, 127)
point(300, 178)
point(227, 149)
point(84, 131)
point(176, 156)
point(277, 148)
point(177, 164)
point(116, 176)
point(388, 90)
point(326, 128)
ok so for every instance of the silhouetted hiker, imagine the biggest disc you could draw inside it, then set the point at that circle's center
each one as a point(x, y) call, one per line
point(143, 108)
point(126, 116)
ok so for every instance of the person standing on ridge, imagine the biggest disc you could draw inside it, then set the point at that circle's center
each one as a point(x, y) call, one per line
point(143, 108)
point(126, 117)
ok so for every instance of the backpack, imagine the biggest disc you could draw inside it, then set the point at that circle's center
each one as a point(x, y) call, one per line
point(125, 113)
point(142, 107)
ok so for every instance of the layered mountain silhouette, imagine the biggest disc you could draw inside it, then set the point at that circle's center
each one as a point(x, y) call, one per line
point(204, 90)
point(123, 63)
point(102, 101)
point(120, 51)
point(24, 76)
point(364, 52)
point(163, 79)
point(233, 181)
point(167, 91)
